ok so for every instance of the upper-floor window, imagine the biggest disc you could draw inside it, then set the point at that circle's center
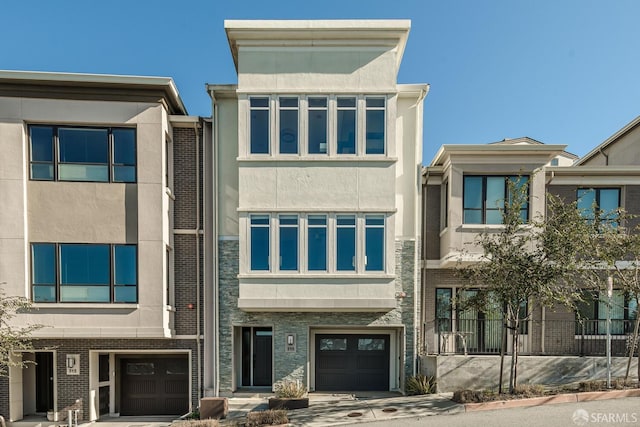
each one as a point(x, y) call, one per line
point(487, 197)
point(346, 125)
point(70, 272)
point(259, 125)
point(375, 125)
point(317, 125)
point(65, 153)
point(599, 204)
point(311, 251)
point(288, 125)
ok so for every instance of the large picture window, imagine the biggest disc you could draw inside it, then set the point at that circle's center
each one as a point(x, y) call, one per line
point(70, 272)
point(486, 198)
point(64, 153)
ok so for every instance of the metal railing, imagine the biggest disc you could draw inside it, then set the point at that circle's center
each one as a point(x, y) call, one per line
point(536, 337)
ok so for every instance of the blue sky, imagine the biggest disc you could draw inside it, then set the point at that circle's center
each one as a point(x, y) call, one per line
point(562, 72)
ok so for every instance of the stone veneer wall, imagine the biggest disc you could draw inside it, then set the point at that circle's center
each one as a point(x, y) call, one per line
point(294, 365)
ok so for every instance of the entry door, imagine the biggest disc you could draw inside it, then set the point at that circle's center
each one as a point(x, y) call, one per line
point(257, 360)
point(44, 381)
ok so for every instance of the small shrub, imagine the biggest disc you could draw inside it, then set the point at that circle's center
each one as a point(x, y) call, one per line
point(529, 390)
point(421, 384)
point(287, 389)
point(197, 423)
point(473, 396)
point(267, 418)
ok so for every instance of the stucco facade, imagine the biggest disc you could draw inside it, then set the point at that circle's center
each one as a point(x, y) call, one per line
point(96, 325)
point(287, 309)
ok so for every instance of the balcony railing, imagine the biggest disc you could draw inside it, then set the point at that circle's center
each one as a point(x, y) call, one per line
point(548, 337)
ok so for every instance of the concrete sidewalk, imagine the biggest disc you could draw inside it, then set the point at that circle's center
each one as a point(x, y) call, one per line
point(339, 409)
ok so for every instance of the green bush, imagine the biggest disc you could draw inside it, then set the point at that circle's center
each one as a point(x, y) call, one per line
point(267, 418)
point(288, 389)
point(421, 384)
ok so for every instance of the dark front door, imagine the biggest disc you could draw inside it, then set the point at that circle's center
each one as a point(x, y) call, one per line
point(154, 386)
point(352, 362)
point(257, 360)
point(44, 381)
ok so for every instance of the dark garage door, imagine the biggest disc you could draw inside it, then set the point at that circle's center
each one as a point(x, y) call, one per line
point(352, 362)
point(154, 386)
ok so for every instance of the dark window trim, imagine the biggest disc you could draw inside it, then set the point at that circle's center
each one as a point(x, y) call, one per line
point(58, 284)
point(56, 153)
point(597, 213)
point(483, 209)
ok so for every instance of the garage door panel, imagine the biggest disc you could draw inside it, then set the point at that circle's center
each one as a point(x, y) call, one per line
point(352, 362)
point(154, 386)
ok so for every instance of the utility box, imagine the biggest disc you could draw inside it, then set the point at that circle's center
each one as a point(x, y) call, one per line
point(214, 407)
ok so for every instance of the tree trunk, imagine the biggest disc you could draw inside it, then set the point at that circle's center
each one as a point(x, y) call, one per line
point(634, 343)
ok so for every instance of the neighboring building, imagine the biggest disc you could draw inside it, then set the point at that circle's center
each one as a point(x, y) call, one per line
point(463, 188)
point(317, 212)
point(92, 171)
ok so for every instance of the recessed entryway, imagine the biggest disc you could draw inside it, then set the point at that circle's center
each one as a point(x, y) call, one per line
point(257, 359)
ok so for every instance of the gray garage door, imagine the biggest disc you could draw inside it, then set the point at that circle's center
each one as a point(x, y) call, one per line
point(352, 362)
point(154, 386)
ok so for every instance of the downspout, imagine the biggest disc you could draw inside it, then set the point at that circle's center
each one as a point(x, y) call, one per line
point(196, 126)
point(417, 295)
point(605, 155)
point(215, 135)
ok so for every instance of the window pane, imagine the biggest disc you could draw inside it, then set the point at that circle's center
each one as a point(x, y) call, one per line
point(44, 293)
point(70, 172)
point(375, 132)
point(124, 174)
point(43, 263)
point(371, 344)
point(495, 193)
point(586, 202)
point(375, 102)
point(259, 242)
point(374, 243)
point(41, 144)
point(473, 192)
point(472, 216)
point(346, 243)
point(83, 145)
point(317, 244)
point(494, 216)
point(608, 203)
point(346, 125)
point(42, 171)
point(84, 264)
point(443, 309)
point(288, 242)
point(259, 125)
point(124, 146)
point(125, 294)
point(317, 125)
point(77, 293)
point(289, 131)
point(125, 265)
point(333, 344)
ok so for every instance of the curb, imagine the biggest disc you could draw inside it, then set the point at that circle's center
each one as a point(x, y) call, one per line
point(551, 400)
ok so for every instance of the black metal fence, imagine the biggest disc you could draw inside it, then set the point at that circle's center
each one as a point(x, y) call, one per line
point(548, 337)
